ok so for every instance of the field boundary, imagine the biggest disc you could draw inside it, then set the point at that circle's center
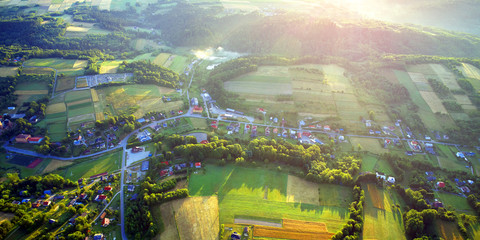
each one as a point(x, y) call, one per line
point(257, 222)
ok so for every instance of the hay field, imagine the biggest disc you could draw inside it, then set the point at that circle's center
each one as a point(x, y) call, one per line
point(197, 217)
point(56, 108)
point(81, 82)
point(161, 58)
point(94, 94)
point(293, 229)
point(86, 100)
point(433, 102)
point(90, 117)
point(109, 66)
point(381, 223)
point(301, 191)
point(54, 164)
point(164, 213)
point(8, 71)
point(34, 70)
point(368, 144)
point(447, 77)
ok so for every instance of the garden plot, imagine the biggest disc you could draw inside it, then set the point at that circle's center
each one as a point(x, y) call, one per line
point(433, 102)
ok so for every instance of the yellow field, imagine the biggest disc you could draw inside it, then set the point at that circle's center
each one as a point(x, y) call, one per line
point(80, 64)
point(8, 71)
point(99, 116)
point(56, 108)
point(368, 144)
point(31, 92)
point(301, 191)
point(433, 102)
point(470, 71)
point(54, 164)
point(294, 229)
point(170, 231)
point(94, 95)
point(197, 217)
point(108, 69)
point(377, 200)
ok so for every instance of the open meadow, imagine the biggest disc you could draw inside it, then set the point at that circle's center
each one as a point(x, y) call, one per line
point(264, 195)
point(105, 163)
point(383, 214)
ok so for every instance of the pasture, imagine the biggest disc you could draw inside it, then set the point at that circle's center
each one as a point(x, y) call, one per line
point(368, 144)
point(179, 63)
point(252, 194)
point(459, 203)
point(383, 219)
point(8, 71)
point(109, 66)
point(105, 163)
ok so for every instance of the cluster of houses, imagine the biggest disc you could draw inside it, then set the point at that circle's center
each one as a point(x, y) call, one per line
point(144, 136)
point(27, 138)
point(381, 175)
point(169, 171)
point(461, 184)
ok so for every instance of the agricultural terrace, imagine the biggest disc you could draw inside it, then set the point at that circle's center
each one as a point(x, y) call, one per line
point(310, 90)
point(105, 163)
point(264, 195)
point(424, 100)
point(137, 98)
point(383, 214)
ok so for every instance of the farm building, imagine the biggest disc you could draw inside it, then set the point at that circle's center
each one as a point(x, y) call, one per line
point(145, 165)
point(197, 109)
point(35, 140)
point(391, 180)
point(22, 138)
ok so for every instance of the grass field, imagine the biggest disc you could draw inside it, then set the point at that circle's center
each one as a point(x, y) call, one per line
point(383, 220)
point(302, 191)
point(433, 102)
point(470, 71)
point(104, 163)
point(448, 160)
point(161, 58)
point(54, 164)
point(368, 144)
point(258, 193)
point(179, 64)
point(368, 163)
point(8, 71)
point(456, 202)
point(77, 95)
point(109, 66)
point(56, 63)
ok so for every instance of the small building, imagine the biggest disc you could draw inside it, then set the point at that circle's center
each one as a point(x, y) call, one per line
point(108, 188)
point(98, 236)
point(104, 214)
point(326, 128)
point(198, 165)
point(100, 197)
point(22, 138)
point(105, 222)
point(465, 189)
point(204, 142)
point(46, 203)
point(83, 196)
point(440, 184)
point(16, 202)
point(381, 175)
point(136, 149)
point(130, 188)
point(47, 192)
point(52, 221)
point(26, 200)
point(437, 204)
point(391, 180)
point(235, 236)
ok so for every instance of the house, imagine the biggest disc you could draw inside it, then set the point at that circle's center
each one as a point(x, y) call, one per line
point(134, 196)
point(104, 214)
point(98, 236)
point(100, 198)
point(437, 204)
point(47, 192)
point(136, 149)
point(470, 182)
point(59, 197)
point(83, 196)
point(52, 221)
point(130, 188)
point(46, 203)
point(145, 166)
point(465, 189)
point(326, 128)
point(35, 205)
point(381, 175)
point(429, 173)
point(163, 173)
point(35, 140)
point(440, 184)
point(100, 191)
point(198, 165)
point(108, 188)
point(235, 236)
point(197, 109)
point(72, 202)
point(391, 180)
point(371, 132)
point(431, 178)
point(22, 138)
point(204, 142)
point(105, 222)
point(16, 202)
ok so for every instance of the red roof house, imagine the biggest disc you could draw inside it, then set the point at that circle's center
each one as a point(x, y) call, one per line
point(163, 173)
point(440, 184)
point(214, 126)
point(204, 142)
point(107, 188)
point(198, 165)
point(100, 197)
point(104, 214)
point(46, 203)
point(35, 140)
point(105, 222)
point(197, 109)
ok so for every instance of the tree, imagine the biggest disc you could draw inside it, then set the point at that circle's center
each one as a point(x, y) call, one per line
point(414, 224)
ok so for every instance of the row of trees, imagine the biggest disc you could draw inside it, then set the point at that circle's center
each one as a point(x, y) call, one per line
point(148, 73)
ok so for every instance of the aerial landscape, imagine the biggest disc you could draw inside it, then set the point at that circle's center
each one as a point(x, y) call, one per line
point(239, 119)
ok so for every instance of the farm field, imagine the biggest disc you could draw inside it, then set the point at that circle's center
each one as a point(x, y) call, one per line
point(65, 83)
point(258, 194)
point(190, 218)
point(8, 71)
point(147, 98)
point(30, 91)
point(81, 29)
point(368, 144)
point(470, 71)
point(161, 58)
point(178, 64)
point(459, 203)
point(12, 164)
point(55, 164)
point(383, 220)
point(447, 230)
point(105, 163)
point(293, 229)
point(109, 66)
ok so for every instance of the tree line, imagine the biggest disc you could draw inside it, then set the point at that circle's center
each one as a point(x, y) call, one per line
point(148, 73)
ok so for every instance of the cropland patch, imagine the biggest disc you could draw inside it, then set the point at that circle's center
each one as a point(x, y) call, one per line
point(368, 144)
point(293, 229)
point(167, 215)
point(376, 199)
point(65, 83)
point(8, 71)
point(55, 164)
point(433, 102)
point(161, 58)
point(302, 191)
point(109, 66)
point(197, 217)
point(470, 71)
point(56, 108)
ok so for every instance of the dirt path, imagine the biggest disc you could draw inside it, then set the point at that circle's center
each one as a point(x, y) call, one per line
point(255, 222)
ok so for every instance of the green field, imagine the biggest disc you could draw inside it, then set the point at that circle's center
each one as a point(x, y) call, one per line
point(259, 193)
point(77, 95)
point(24, 171)
point(105, 163)
point(179, 64)
point(56, 63)
point(383, 220)
point(456, 202)
point(368, 163)
point(448, 160)
point(8, 71)
point(65, 83)
point(31, 86)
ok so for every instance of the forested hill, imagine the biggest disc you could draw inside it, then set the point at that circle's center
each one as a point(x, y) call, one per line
point(299, 36)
